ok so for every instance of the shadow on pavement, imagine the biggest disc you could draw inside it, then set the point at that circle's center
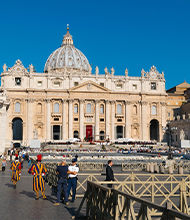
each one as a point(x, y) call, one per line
point(9, 185)
point(29, 194)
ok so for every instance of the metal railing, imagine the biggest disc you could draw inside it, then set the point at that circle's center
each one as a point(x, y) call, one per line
point(159, 188)
point(105, 203)
point(134, 166)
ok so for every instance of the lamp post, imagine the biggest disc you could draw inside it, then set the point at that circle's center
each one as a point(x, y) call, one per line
point(169, 130)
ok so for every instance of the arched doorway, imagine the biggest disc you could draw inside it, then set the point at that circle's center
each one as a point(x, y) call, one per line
point(154, 130)
point(17, 129)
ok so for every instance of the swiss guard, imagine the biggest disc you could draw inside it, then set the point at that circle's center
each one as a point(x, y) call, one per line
point(38, 171)
point(16, 171)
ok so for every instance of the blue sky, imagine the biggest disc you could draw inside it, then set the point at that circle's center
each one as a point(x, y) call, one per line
point(120, 34)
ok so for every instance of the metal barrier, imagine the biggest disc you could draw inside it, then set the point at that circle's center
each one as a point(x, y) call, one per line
point(142, 166)
point(106, 203)
point(159, 188)
point(133, 166)
point(91, 166)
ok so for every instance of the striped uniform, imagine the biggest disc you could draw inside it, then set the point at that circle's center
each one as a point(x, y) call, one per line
point(16, 168)
point(37, 170)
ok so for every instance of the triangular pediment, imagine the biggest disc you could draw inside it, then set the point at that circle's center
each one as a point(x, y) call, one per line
point(89, 86)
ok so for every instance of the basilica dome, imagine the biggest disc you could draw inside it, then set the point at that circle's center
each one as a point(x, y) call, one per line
point(67, 56)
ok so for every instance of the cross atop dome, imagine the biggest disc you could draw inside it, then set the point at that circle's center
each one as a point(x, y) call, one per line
point(67, 39)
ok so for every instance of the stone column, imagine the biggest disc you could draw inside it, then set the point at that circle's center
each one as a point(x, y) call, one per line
point(3, 117)
point(81, 120)
point(64, 120)
point(97, 111)
point(26, 132)
point(163, 118)
point(48, 119)
point(144, 120)
point(30, 124)
point(112, 120)
point(71, 118)
point(107, 119)
point(127, 119)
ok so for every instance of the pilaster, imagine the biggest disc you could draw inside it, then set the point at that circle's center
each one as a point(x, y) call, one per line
point(107, 119)
point(71, 118)
point(127, 119)
point(81, 125)
point(97, 107)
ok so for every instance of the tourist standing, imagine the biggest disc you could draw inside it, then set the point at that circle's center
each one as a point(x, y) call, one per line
point(3, 164)
point(109, 173)
point(62, 172)
point(29, 162)
point(38, 171)
point(16, 171)
point(72, 179)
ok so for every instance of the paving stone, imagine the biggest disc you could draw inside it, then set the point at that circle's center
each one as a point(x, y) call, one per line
point(20, 203)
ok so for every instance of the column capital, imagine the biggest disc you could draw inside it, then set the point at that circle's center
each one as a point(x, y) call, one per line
point(113, 102)
point(163, 103)
point(30, 100)
point(82, 101)
point(127, 102)
point(71, 100)
point(144, 103)
point(64, 100)
point(107, 101)
point(97, 101)
point(48, 100)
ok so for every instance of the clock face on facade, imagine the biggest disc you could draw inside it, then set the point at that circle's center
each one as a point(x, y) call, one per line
point(18, 69)
point(153, 74)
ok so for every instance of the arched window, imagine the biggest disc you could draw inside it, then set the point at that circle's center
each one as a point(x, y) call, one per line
point(75, 108)
point(101, 109)
point(17, 107)
point(119, 109)
point(134, 109)
point(39, 108)
point(153, 111)
point(56, 107)
point(88, 109)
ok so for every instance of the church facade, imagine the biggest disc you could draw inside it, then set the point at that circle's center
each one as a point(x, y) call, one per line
point(67, 100)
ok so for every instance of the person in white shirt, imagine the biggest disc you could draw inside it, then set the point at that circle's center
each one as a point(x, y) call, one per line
point(72, 179)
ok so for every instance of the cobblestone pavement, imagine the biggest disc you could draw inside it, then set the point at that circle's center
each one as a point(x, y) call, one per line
point(20, 203)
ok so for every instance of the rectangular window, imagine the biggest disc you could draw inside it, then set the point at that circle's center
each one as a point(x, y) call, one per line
point(88, 109)
point(153, 86)
point(119, 86)
point(75, 119)
point(39, 83)
point(102, 84)
point(56, 84)
point(134, 87)
point(18, 81)
point(75, 109)
point(56, 119)
point(76, 83)
point(101, 109)
point(101, 119)
point(119, 120)
point(168, 114)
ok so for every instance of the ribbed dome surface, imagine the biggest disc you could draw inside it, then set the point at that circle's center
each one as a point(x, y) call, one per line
point(67, 56)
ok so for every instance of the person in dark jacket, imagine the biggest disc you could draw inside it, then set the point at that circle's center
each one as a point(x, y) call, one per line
point(109, 173)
